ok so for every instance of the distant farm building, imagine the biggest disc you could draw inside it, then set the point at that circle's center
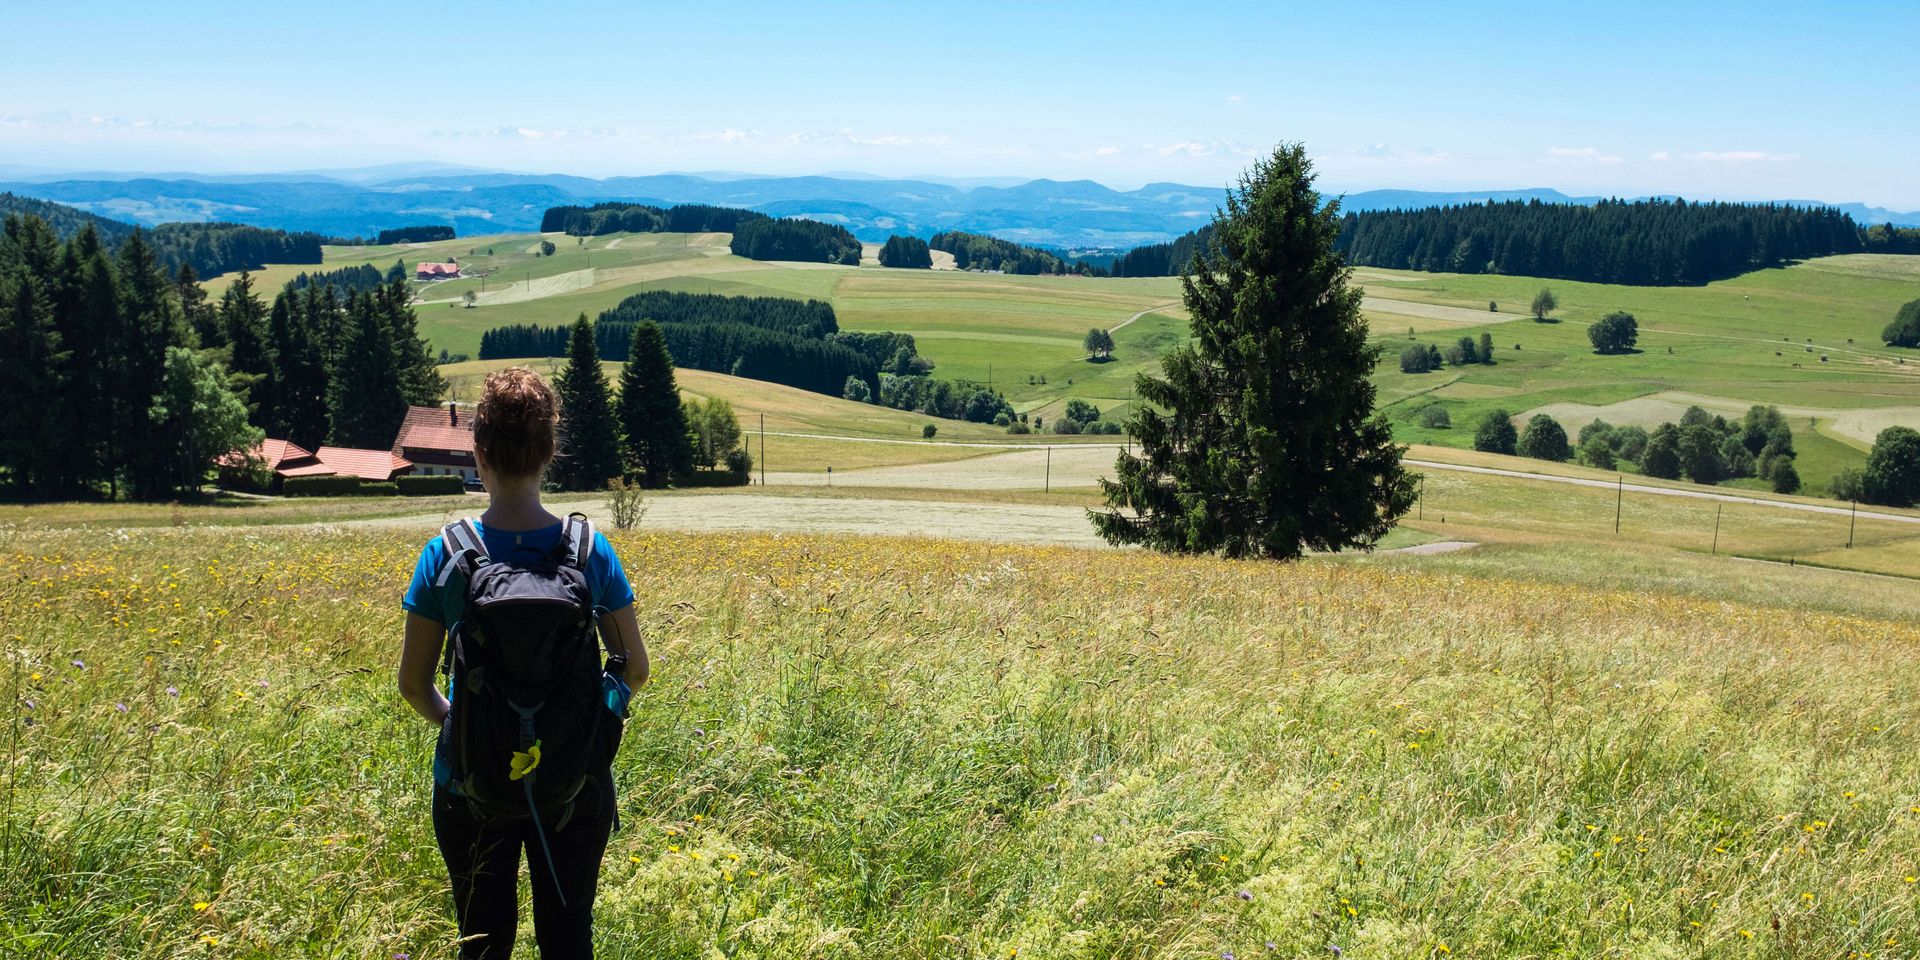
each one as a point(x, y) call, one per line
point(437, 271)
point(437, 441)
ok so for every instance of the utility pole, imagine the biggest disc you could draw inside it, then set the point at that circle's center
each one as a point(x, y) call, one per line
point(1619, 494)
point(763, 449)
point(1420, 500)
point(1048, 486)
point(1716, 528)
point(1851, 518)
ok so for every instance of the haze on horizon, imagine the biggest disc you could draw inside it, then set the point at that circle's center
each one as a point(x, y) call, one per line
point(1724, 100)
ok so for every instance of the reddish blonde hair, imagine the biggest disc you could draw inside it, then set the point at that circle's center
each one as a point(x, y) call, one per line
point(514, 427)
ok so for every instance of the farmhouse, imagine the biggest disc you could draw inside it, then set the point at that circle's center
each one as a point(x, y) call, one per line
point(438, 442)
point(436, 271)
point(284, 459)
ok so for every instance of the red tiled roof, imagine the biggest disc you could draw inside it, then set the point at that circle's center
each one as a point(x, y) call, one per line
point(313, 468)
point(270, 452)
point(365, 464)
point(432, 428)
point(437, 270)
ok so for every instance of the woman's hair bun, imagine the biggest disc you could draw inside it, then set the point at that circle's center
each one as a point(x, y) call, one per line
point(514, 427)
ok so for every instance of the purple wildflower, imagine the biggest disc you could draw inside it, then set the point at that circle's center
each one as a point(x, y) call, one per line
point(263, 685)
point(1099, 839)
point(120, 707)
point(1245, 895)
point(1226, 955)
point(29, 704)
point(173, 691)
point(79, 664)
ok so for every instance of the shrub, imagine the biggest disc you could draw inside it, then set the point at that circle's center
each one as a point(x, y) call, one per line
point(1598, 428)
point(1629, 442)
point(927, 432)
point(378, 488)
point(1544, 439)
point(1616, 332)
point(739, 465)
point(1495, 433)
point(1103, 427)
point(1066, 426)
point(1892, 475)
point(1420, 358)
point(1904, 331)
point(1785, 478)
point(857, 390)
point(326, 486)
point(626, 502)
point(1082, 411)
point(1019, 428)
point(1845, 485)
point(434, 486)
point(1661, 458)
point(1596, 452)
point(1435, 417)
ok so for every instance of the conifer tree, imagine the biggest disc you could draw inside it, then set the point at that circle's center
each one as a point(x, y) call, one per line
point(152, 323)
point(300, 376)
point(650, 415)
point(243, 324)
point(589, 438)
point(89, 321)
point(32, 446)
point(420, 380)
point(1268, 444)
point(365, 393)
point(200, 315)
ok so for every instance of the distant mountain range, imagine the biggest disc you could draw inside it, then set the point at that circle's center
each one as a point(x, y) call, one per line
point(1070, 214)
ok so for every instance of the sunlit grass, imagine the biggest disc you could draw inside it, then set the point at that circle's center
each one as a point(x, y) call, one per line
point(860, 747)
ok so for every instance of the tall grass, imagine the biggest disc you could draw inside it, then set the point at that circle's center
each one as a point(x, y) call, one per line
point(881, 748)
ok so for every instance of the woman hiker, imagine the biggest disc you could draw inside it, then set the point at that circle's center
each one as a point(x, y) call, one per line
point(508, 605)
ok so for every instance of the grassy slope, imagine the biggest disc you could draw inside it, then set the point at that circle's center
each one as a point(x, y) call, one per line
point(1719, 340)
point(911, 748)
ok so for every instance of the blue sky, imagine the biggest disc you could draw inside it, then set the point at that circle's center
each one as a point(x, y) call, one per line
point(1742, 101)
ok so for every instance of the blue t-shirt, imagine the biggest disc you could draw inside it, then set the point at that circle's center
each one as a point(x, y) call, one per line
point(605, 577)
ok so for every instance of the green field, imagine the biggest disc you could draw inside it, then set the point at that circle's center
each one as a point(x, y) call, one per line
point(1759, 338)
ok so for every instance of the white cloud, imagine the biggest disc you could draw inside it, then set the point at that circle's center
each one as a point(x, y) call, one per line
point(1740, 156)
point(1382, 151)
point(1660, 156)
point(1105, 151)
point(1236, 98)
point(1203, 148)
point(1579, 155)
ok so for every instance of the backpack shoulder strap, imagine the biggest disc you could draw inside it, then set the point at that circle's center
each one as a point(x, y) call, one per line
point(576, 539)
point(464, 547)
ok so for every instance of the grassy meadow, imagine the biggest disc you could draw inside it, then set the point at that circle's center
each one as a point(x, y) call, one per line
point(864, 747)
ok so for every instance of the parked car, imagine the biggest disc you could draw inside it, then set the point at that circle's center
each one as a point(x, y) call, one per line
point(474, 485)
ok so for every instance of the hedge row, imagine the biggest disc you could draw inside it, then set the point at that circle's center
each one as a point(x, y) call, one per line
point(339, 486)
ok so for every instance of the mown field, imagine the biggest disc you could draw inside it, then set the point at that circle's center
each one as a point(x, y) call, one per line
point(875, 748)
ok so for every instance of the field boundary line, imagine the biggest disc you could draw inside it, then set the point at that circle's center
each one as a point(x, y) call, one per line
point(1664, 491)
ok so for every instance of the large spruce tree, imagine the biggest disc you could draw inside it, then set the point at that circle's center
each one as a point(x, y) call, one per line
point(301, 369)
point(589, 438)
point(420, 380)
point(1262, 440)
point(650, 414)
point(365, 393)
point(33, 446)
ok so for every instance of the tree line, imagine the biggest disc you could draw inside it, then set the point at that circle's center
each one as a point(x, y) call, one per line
point(973, 251)
point(420, 234)
point(615, 217)
point(792, 238)
point(142, 382)
point(1163, 259)
point(361, 277)
point(1643, 242)
point(909, 252)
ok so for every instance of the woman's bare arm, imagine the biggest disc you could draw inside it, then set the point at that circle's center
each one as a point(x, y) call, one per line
point(622, 632)
point(418, 657)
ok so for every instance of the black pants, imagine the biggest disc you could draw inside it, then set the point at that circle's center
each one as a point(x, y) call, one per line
point(483, 860)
